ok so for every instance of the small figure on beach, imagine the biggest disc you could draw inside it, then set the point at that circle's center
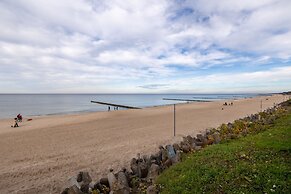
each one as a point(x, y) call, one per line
point(231, 103)
point(19, 117)
point(108, 108)
point(225, 104)
point(15, 123)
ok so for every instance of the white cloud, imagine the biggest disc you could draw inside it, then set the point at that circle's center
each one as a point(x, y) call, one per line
point(64, 45)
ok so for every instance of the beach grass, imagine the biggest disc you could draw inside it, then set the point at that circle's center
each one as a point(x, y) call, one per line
point(259, 163)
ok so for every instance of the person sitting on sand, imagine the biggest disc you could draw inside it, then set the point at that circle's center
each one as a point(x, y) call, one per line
point(16, 123)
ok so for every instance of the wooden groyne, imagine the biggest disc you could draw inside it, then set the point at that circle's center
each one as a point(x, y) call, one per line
point(117, 105)
point(187, 100)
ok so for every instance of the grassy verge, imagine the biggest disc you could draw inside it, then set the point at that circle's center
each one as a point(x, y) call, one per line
point(258, 163)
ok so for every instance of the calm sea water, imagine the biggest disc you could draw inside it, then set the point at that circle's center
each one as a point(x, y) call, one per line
point(49, 104)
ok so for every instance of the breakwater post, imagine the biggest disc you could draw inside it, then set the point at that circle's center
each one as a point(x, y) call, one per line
point(174, 119)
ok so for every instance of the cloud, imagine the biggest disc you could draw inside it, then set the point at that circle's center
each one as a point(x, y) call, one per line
point(133, 46)
point(154, 86)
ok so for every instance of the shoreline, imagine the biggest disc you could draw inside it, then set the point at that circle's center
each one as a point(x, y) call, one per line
point(49, 149)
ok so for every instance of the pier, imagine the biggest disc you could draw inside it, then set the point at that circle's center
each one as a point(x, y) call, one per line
point(187, 100)
point(117, 105)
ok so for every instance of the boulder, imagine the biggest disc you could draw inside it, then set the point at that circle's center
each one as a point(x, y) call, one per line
point(122, 179)
point(86, 179)
point(73, 181)
point(176, 158)
point(198, 143)
point(216, 137)
point(171, 152)
point(133, 166)
point(210, 139)
point(151, 190)
point(186, 148)
point(189, 139)
point(112, 179)
point(65, 191)
point(158, 157)
point(176, 147)
point(121, 191)
point(197, 148)
point(85, 188)
point(74, 190)
point(164, 154)
point(80, 177)
point(153, 173)
point(167, 163)
point(104, 181)
point(200, 137)
point(142, 169)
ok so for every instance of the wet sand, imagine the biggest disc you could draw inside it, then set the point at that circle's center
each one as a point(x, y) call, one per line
point(40, 155)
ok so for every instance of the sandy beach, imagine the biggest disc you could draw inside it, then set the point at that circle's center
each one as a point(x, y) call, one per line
point(40, 155)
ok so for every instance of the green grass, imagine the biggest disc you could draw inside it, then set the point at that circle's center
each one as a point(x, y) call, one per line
point(258, 163)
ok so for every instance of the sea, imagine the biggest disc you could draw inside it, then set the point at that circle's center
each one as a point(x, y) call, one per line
point(54, 104)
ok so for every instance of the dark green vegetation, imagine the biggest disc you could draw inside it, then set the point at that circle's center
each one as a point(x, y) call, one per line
point(260, 162)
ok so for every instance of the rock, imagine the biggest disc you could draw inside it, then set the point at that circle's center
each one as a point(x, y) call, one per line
point(85, 188)
point(164, 154)
point(177, 157)
point(170, 151)
point(216, 137)
point(151, 190)
point(168, 163)
point(197, 148)
point(142, 169)
point(65, 191)
point(198, 143)
point(91, 185)
point(158, 157)
point(153, 173)
point(133, 166)
point(189, 139)
point(86, 179)
point(210, 139)
point(121, 191)
point(104, 181)
point(229, 125)
point(122, 179)
point(73, 181)
point(100, 187)
point(80, 177)
point(176, 147)
point(200, 137)
point(112, 180)
point(74, 190)
point(97, 186)
point(186, 148)
point(208, 131)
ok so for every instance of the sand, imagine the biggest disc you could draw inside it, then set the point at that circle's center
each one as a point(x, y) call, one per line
point(40, 155)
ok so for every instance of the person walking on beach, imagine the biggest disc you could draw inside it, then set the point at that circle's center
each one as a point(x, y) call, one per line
point(108, 108)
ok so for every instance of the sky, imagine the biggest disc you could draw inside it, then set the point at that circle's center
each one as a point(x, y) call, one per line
point(145, 46)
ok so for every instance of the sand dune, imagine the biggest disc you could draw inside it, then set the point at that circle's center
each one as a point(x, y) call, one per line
point(40, 155)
